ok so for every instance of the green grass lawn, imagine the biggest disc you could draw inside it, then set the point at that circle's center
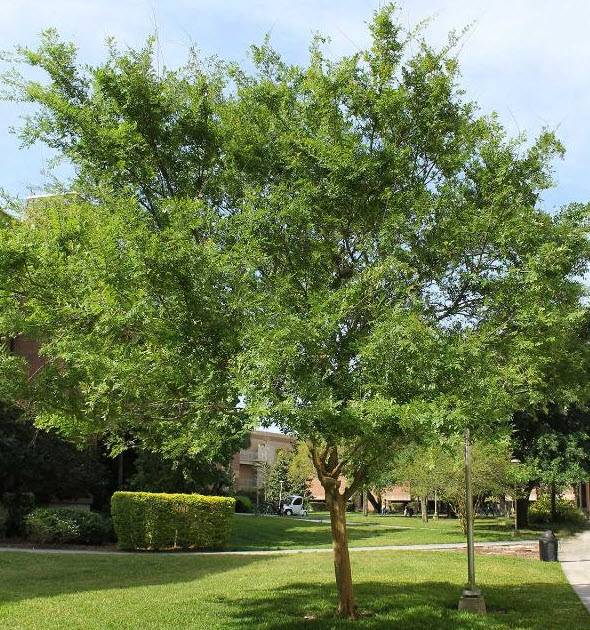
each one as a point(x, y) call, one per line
point(400, 589)
point(264, 532)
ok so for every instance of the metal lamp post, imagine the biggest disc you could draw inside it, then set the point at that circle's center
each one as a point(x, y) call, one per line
point(471, 599)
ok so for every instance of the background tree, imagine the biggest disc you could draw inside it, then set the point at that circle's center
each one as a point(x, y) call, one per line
point(290, 473)
point(124, 269)
point(153, 473)
point(491, 474)
point(421, 467)
point(398, 274)
point(34, 461)
point(553, 445)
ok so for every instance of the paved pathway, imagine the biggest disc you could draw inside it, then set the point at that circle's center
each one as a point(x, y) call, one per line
point(574, 554)
point(268, 552)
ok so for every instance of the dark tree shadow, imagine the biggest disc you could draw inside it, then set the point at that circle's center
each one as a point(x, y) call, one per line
point(25, 576)
point(411, 606)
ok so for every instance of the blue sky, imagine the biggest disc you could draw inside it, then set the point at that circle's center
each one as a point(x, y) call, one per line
point(526, 59)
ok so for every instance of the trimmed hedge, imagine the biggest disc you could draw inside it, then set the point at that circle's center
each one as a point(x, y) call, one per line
point(67, 525)
point(151, 521)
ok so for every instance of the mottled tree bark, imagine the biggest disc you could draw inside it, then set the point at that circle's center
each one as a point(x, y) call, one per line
point(329, 467)
point(337, 506)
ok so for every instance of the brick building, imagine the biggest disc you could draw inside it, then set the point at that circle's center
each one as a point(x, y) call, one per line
point(248, 464)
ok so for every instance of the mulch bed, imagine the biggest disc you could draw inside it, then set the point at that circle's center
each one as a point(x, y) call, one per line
point(525, 551)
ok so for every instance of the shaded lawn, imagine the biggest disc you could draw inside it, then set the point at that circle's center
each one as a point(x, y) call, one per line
point(401, 590)
point(264, 532)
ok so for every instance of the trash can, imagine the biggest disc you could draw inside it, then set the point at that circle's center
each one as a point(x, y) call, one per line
point(548, 547)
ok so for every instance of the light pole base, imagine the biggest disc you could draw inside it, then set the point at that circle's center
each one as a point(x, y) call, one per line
point(472, 601)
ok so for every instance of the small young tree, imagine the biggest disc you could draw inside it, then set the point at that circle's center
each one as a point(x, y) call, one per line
point(276, 478)
point(301, 470)
point(420, 467)
point(290, 473)
point(490, 474)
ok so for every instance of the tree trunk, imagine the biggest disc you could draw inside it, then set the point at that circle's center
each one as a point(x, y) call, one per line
point(553, 509)
point(337, 506)
point(463, 521)
point(522, 507)
point(374, 502)
point(522, 512)
point(424, 508)
point(120, 472)
point(435, 505)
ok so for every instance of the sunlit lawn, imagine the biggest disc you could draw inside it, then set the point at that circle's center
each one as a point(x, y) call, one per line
point(399, 589)
point(264, 532)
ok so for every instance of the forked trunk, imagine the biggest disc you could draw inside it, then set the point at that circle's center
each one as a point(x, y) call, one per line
point(337, 506)
point(375, 502)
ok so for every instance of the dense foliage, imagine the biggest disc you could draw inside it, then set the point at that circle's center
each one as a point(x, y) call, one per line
point(16, 506)
point(144, 520)
point(553, 444)
point(185, 474)
point(64, 525)
point(565, 511)
point(4, 515)
point(39, 462)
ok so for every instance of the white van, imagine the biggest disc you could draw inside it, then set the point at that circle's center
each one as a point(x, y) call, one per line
point(293, 505)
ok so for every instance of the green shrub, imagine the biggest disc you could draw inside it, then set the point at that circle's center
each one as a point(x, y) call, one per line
point(145, 520)
point(67, 525)
point(566, 511)
point(244, 504)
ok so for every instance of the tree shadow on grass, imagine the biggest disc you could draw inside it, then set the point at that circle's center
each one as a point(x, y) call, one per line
point(285, 533)
point(411, 606)
point(290, 533)
point(25, 576)
point(265, 597)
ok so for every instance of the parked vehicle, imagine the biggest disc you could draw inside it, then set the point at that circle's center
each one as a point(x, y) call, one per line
point(293, 505)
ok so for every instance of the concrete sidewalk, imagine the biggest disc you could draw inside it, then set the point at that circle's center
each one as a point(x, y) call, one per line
point(271, 552)
point(574, 555)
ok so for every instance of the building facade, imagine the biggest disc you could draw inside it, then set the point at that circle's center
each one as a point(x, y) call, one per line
point(249, 464)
